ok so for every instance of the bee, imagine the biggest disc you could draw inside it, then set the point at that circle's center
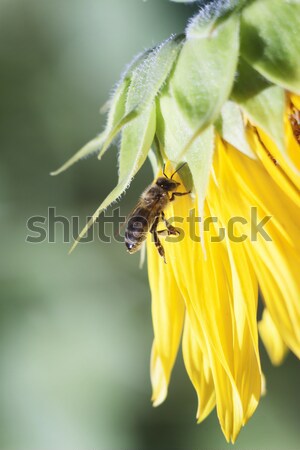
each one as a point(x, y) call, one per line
point(150, 209)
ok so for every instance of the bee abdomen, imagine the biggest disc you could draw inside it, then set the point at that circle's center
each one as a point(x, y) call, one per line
point(136, 233)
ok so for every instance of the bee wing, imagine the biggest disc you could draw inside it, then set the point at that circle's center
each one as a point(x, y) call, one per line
point(146, 209)
point(142, 211)
point(120, 228)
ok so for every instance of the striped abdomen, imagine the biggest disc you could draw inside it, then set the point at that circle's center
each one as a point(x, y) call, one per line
point(137, 229)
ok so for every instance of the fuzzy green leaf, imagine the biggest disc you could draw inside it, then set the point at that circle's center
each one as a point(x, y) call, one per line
point(199, 158)
point(148, 77)
point(116, 110)
point(270, 40)
point(136, 141)
point(153, 159)
point(262, 102)
point(117, 105)
point(146, 81)
point(89, 148)
point(232, 129)
point(174, 131)
point(137, 138)
point(204, 75)
point(211, 15)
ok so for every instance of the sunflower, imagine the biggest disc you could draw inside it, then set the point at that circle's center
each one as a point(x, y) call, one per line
point(224, 98)
point(210, 291)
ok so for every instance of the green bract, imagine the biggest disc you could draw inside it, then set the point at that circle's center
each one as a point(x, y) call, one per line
point(231, 127)
point(204, 74)
point(262, 102)
point(270, 40)
point(234, 64)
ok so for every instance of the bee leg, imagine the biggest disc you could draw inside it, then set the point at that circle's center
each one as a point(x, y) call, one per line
point(157, 242)
point(154, 225)
point(171, 230)
point(178, 194)
point(159, 246)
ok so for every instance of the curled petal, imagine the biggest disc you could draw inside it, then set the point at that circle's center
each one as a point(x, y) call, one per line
point(167, 317)
point(271, 338)
point(199, 371)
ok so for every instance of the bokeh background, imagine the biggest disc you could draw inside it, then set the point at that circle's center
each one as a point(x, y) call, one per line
point(75, 333)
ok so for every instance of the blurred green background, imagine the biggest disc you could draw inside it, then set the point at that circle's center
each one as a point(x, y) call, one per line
point(76, 333)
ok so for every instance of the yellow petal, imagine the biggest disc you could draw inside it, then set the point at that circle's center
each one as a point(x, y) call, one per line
point(295, 100)
point(246, 184)
point(292, 150)
point(198, 369)
point(206, 290)
point(271, 338)
point(167, 317)
point(243, 301)
point(272, 166)
point(219, 286)
point(159, 378)
point(263, 385)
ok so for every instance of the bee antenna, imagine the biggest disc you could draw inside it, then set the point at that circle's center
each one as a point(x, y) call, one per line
point(180, 167)
point(164, 171)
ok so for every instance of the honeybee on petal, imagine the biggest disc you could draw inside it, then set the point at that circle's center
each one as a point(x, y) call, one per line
point(149, 211)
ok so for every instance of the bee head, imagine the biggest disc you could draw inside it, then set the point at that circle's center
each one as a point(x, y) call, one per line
point(167, 184)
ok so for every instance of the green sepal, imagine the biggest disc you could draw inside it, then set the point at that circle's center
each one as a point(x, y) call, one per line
point(186, 177)
point(136, 141)
point(173, 132)
point(153, 161)
point(146, 81)
point(261, 101)
point(204, 75)
point(270, 40)
point(200, 158)
point(231, 128)
point(87, 150)
point(155, 156)
point(211, 16)
point(116, 110)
